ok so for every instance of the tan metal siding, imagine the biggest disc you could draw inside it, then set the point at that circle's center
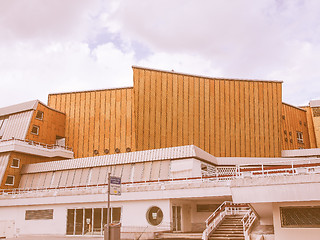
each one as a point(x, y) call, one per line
point(213, 114)
point(97, 120)
point(4, 159)
point(17, 125)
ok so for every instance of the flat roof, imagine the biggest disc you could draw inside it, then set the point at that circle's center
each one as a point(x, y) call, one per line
point(171, 153)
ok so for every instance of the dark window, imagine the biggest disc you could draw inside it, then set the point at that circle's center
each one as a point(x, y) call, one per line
point(10, 180)
point(39, 214)
point(300, 217)
point(300, 137)
point(39, 115)
point(35, 130)
point(154, 216)
point(316, 111)
point(15, 163)
point(207, 207)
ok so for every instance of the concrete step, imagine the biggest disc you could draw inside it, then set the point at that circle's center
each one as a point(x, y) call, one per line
point(174, 235)
point(226, 238)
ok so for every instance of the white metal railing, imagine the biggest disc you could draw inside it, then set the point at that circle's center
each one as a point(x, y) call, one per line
point(242, 171)
point(247, 222)
point(284, 167)
point(37, 144)
point(226, 208)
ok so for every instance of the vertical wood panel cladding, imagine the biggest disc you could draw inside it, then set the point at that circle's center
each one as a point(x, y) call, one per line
point(312, 135)
point(294, 120)
point(225, 117)
point(52, 125)
point(97, 120)
point(24, 159)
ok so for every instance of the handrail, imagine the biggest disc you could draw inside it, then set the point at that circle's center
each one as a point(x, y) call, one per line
point(226, 208)
point(247, 222)
point(265, 172)
point(34, 143)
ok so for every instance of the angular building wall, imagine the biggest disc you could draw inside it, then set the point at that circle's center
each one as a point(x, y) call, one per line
point(225, 117)
point(294, 128)
point(313, 116)
point(97, 122)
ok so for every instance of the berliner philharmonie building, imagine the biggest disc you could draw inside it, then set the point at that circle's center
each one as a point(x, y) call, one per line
point(199, 158)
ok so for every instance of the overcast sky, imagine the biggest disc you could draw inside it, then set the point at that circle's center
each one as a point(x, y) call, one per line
point(50, 46)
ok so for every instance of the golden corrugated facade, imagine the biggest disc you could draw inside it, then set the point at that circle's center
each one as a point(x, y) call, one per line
point(225, 117)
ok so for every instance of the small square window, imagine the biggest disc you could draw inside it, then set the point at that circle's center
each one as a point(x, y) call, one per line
point(35, 130)
point(10, 180)
point(39, 115)
point(15, 163)
point(300, 137)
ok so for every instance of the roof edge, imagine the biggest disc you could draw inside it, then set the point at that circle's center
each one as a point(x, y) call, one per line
point(203, 76)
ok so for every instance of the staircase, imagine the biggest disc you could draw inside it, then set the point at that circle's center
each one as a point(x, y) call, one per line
point(230, 228)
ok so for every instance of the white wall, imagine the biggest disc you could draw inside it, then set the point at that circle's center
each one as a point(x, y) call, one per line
point(133, 216)
point(282, 233)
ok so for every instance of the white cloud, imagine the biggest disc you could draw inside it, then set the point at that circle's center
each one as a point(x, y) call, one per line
point(52, 46)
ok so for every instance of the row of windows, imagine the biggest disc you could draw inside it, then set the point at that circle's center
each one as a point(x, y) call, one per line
point(90, 221)
point(35, 128)
point(145, 171)
point(299, 136)
point(14, 164)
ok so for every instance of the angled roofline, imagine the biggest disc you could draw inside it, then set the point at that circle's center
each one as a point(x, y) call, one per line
point(20, 107)
point(23, 107)
point(209, 77)
point(299, 108)
point(94, 90)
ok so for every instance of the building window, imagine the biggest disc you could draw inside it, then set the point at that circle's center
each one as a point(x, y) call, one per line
point(207, 207)
point(39, 214)
point(39, 115)
point(154, 216)
point(300, 217)
point(300, 137)
point(90, 221)
point(10, 180)
point(35, 130)
point(15, 163)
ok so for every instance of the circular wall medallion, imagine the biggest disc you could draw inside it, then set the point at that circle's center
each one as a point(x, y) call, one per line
point(154, 215)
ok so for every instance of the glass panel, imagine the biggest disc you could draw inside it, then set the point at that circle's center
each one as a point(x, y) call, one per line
point(94, 176)
point(63, 179)
point(56, 179)
point(97, 221)
point(70, 178)
point(103, 175)
point(178, 218)
point(77, 177)
point(147, 171)
point(84, 177)
point(155, 171)
point(79, 221)
point(70, 221)
point(88, 222)
point(138, 170)
point(174, 218)
point(165, 169)
point(116, 214)
point(104, 216)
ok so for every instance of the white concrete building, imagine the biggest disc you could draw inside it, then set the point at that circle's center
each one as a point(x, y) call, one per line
point(173, 190)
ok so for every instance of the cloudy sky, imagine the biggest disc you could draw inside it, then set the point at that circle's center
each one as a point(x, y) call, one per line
point(50, 46)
